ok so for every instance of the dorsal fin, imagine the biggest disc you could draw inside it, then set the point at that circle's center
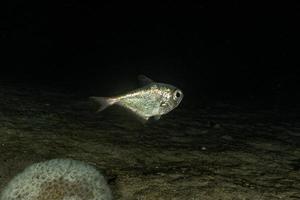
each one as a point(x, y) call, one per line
point(144, 80)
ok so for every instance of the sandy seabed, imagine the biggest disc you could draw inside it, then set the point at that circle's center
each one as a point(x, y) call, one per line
point(194, 153)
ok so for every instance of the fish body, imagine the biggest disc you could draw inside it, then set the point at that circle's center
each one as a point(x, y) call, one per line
point(152, 100)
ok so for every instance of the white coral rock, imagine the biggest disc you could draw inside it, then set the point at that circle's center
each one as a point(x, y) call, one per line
point(58, 179)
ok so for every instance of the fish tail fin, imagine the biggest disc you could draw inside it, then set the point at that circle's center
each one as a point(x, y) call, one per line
point(104, 102)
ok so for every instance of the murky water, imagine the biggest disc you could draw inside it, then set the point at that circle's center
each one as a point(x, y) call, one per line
point(221, 152)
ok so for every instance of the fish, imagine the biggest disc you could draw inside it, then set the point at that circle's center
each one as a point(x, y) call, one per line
point(152, 100)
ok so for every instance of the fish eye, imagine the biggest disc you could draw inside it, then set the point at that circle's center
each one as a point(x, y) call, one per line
point(177, 94)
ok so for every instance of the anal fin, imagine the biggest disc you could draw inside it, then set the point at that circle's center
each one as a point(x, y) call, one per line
point(156, 117)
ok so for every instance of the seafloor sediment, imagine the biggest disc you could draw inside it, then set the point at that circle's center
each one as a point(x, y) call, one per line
point(194, 153)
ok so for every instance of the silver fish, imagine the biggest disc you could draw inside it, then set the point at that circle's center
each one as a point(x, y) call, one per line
point(152, 100)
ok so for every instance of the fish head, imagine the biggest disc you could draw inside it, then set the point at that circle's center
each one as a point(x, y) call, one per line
point(171, 98)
